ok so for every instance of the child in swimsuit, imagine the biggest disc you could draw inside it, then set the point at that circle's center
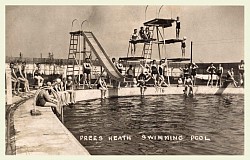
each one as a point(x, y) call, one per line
point(87, 72)
point(241, 72)
point(178, 27)
point(154, 72)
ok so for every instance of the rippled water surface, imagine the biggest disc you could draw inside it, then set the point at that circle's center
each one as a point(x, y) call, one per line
point(219, 118)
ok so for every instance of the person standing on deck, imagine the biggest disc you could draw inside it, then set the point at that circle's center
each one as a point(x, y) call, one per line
point(211, 70)
point(183, 47)
point(185, 71)
point(154, 72)
point(161, 69)
point(219, 73)
point(87, 72)
point(133, 41)
point(193, 69)
point(119, 66)
point(178, 27)
point(241, 72)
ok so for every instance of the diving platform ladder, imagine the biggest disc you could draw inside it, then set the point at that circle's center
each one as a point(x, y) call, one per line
point(147, 47)
point(74, 57)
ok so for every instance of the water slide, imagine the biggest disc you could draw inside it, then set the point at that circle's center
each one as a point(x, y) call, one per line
point(102, 56)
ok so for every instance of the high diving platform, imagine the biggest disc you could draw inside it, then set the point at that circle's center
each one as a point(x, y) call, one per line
point(160, 22)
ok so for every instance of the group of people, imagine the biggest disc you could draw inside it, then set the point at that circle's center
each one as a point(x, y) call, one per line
point(212, 70)
point(142, 35)
point(64, 90)
point(188, 78)
point(19, 76)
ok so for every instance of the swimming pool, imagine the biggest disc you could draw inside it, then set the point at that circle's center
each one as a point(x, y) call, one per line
point(159, 125)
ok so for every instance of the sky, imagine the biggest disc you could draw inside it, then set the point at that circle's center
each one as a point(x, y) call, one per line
point(217, 32)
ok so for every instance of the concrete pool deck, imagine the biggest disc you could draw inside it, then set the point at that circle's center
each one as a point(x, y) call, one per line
point(46, 135)
point(43, 134)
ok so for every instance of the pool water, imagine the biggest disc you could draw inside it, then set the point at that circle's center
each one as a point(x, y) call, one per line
point(159, 125)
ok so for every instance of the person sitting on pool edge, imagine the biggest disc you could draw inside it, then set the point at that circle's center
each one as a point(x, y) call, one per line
point(44, 100)
point(70, 89)
point(59, 88)
point(188, 86)
point(102, 86)
point(142, 79)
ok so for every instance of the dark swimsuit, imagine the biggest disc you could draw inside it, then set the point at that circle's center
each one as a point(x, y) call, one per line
point(186, 72)
point(211, 70)
point(154, 70)
point(87, 70)
point(40, 101)
point(193, 71)
point(160, 70)
point(219, 72)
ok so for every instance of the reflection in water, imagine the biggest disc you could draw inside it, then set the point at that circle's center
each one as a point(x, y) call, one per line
point(153, 121)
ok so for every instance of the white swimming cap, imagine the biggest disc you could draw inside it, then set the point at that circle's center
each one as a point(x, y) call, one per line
point(58, 80)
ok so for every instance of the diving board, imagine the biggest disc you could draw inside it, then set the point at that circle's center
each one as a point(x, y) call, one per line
point(169, 41)
point(141, 41)
point(178, 59)
point(131, 58)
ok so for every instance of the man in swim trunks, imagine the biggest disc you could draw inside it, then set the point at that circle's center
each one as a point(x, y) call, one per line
point(211, 70)
point(44, 99)
point(219, 73)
